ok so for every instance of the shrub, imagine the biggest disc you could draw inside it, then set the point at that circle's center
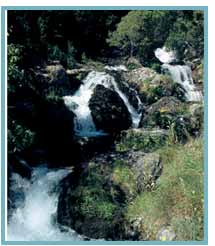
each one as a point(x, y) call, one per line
point(15, 73)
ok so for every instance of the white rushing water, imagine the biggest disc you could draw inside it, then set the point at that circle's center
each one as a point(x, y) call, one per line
point(79, 103)
point(180, 74)
point(34, 219)
point(164, 55)
point(183, 75)
point(116, 68)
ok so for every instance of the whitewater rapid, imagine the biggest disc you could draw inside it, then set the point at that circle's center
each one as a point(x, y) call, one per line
point(79, 103)
point(34, 219)
point(180, 74)
point(183, 76)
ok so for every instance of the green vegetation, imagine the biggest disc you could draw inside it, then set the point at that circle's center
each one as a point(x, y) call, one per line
point(147, 141)
point(142, 31)
point(95, 203)
point(133, 33)
point(15, 75)
point(187, 35)
point(19, 137)
point(177, 199)
point(124, 178)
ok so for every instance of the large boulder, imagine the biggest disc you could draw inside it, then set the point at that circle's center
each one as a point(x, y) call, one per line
point(198, 76)
point(147, 168)
point(162, 113)
point(108, 110)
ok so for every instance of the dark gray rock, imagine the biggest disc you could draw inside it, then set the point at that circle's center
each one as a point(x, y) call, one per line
point(147, 168)
point(108, 110)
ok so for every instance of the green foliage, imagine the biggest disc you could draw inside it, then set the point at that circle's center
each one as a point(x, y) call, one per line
point(132, 66)
point(147, 141)
point(140, 32)
point(43, 23)
point(15, 73)
point(55, 53)
point(95, 203)
point(124, 178)
point(71, 53)
point(84, 58)
point(187, 35)
point(178, 198)
point(19, 137)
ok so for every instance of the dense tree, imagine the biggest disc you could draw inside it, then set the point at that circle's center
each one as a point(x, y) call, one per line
point(69, 36)
point(140, 32)
point(54, 34)
point(187, 35)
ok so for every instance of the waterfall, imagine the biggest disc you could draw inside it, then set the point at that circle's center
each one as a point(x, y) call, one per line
point(183, 76)
point(164, 55)
point(79, 103)
point(34, 218)
point(180, 74)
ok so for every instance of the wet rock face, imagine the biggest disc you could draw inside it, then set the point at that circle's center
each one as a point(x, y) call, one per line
point(108, 110)
point(127, 88)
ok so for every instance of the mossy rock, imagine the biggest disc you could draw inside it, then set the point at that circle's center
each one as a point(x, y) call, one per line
point(141, 139)
point(163, 113)
point(95, 206)
point(124, 183)
point(154, 87)
point(89, 208)
point(188, 125)
point(147, 168)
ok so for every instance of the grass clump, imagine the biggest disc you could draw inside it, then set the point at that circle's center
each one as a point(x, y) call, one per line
point(96, 203)
point(124, 178)
point(178, 199)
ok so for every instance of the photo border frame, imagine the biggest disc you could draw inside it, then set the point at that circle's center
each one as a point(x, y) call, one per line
point(3, 124)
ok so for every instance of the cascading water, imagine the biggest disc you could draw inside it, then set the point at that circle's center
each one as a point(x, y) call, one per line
point(34, 218)
point(183, 76)
point(165, 56)
point(180, 74)
point(79, 103)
